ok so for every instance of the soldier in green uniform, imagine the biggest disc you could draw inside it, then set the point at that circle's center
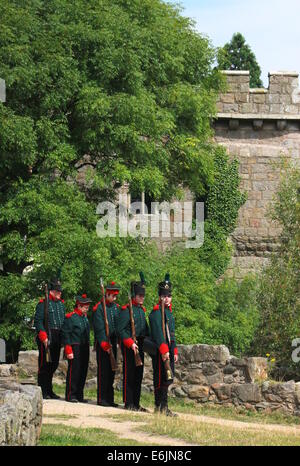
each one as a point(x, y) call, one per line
point(166, 346)
point(76, 340)
point(52, 339)
point(132, 374)
point(105, 374)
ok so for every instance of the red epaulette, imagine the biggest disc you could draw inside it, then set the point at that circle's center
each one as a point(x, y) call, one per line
point(96, 305)
point(144, 309)
point(156, 308)
point(70, 314)
point(118, 305)
point(62, 300)
point(125, 307)
point(42, 300)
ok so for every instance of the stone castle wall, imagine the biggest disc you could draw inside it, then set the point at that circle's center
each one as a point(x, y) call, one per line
point(259, 127)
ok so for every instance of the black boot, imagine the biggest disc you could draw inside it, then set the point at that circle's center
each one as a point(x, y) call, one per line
point(164, 403)
point(157, 399)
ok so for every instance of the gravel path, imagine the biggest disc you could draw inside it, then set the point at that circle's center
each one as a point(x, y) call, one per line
point(91, 415)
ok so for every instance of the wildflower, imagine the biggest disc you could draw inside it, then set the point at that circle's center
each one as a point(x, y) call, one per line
point(268, 355)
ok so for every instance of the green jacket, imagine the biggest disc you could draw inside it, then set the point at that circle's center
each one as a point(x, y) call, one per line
point(56, 315)
point(75, 329)
point(112, 310)
point(124, 327)
point(164, 345)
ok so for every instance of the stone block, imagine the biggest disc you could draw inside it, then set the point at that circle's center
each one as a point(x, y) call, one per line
point(28, 362)
point(246, 108)
point(273, 98)
point(238, 362)
point(258, 98)
point(196, 377)
point(223, 391)
point(293, 109)
point(244, 87)
point(8, 370)
point(230, 108)
point(247, 392)
point(20, 414)
point(215, 378)
point(91, 383)
point(257, 368)
point(203, 353)
point(242, 97)
point(178, 392)
point(197, 392)
point(227, 98)
point(228, 379)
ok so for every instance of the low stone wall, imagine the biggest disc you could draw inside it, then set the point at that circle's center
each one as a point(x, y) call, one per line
point(20, 413)
point(205, 374)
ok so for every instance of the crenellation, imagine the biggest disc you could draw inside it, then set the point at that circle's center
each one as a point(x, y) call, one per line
point(281, 97)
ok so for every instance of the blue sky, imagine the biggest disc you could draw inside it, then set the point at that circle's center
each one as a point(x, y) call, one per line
point(271, 28)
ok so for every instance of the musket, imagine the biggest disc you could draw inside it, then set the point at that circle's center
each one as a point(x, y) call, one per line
point(137, 357)
point(111, 353)
point(46, 321)
point(163, 323)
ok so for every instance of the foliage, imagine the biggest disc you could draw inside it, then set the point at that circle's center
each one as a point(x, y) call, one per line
point(222, 202)
point(279, 291)
point(128, 89)
point(237, 55)
point(127, 83)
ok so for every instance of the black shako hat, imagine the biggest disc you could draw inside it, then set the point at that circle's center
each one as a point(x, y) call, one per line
point(165, 287)
point(83, 299)
point(139, 287)
point(55, 284)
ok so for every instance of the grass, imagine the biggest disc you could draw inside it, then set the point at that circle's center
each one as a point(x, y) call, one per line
point(190, 407)
point(203, 434)
point(61, 435)
point(200, 433)
point(60, 416)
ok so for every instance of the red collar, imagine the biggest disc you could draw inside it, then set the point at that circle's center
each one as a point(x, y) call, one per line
point(78, 311)
point(134, 303)
point(166, 305)
point(52, 298)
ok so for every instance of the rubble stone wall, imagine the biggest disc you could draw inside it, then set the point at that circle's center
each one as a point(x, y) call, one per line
point(204, 374)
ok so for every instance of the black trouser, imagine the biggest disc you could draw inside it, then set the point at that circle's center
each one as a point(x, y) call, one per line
point(77, 371)
point(46, 370)
point(132, 375)
point(160, 382)
point(105, 375)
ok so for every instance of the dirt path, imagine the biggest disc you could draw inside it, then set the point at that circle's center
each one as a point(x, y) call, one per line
point(91, 415)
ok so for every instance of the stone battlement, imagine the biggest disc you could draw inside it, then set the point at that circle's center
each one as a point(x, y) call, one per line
point(259, 127)
point(280, 101)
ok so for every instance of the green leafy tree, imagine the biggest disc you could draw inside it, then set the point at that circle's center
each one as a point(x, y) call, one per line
point(237, 55)
point(124, 89)
point(279, 289)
